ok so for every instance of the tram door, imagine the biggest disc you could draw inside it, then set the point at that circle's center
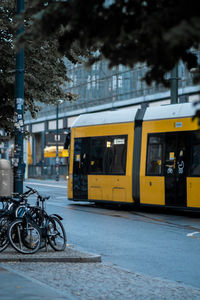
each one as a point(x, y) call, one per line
point(176, 168)
point(80, 169)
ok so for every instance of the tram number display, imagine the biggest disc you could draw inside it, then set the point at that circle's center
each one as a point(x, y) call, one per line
point(119, 141)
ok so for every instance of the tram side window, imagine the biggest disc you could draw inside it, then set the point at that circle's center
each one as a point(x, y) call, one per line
point(195, 166)
point(115, 155)
point(96, 155)
point(108, 155)
point(154, 155)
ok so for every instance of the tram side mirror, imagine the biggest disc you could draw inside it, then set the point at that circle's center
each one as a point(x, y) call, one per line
point(67, 140)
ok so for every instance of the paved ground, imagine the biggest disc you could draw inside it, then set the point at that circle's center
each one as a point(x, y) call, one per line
point(52, 275)
point(15, 286)
point(85, 281)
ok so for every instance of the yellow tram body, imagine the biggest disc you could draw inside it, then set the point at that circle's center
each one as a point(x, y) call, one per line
point(135, 156)
point(101, 187)
point(154, 193)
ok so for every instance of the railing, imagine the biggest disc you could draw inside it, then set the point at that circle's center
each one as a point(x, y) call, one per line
point(47, 172)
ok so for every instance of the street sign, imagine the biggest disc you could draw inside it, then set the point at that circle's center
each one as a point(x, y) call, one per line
point(52, 139)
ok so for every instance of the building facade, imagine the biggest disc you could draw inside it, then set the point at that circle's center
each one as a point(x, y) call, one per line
point(100, 89)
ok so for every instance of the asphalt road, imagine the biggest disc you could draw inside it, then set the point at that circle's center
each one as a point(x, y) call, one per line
point(163, 244)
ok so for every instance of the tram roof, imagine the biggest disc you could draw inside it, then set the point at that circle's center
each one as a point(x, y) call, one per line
point(171, 111)
point(106, 117)
point(128, 115)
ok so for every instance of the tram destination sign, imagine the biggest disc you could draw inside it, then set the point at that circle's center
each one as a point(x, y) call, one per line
point(52, 139)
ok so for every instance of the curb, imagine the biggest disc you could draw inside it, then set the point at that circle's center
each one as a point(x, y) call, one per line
point(70, 255)
point(52, 259)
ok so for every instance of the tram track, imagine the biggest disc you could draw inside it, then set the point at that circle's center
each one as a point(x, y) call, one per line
point(145, 218)
point(165, 222)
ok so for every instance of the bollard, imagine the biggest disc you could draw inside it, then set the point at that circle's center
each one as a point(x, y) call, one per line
point(6, 178)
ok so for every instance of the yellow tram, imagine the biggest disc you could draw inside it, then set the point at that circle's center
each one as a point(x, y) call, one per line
point(147, 156)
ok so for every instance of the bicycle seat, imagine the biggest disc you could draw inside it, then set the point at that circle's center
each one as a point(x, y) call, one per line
point(44, 198)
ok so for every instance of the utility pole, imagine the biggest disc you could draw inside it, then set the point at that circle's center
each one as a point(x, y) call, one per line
point(19, 111)
point(57, 154)
point(174, 85)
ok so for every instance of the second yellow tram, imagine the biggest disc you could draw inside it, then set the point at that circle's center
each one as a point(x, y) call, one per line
point(139, 156)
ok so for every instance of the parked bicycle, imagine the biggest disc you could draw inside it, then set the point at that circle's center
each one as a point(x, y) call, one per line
point(8, 214)
point(29, 228)
point(51, 227)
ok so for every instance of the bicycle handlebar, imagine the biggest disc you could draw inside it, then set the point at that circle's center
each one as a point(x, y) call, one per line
point(40, 197)
point(30, 190)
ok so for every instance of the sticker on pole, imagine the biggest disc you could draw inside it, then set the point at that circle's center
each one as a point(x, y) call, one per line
point(19, 102)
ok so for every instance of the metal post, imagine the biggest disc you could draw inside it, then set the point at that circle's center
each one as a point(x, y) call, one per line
point(57, 155)
point(174, 85)
point(19, 112)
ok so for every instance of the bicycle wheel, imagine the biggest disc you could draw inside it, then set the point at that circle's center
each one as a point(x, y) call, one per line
point(4, 240)
point(24, 236)
point(56, 234)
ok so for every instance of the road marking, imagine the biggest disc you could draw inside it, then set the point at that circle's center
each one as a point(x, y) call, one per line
point(44, 184)
point(193, 234)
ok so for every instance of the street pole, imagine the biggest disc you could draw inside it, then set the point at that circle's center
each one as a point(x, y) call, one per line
point(174, 85)
point(57, 155)
point(19, 112)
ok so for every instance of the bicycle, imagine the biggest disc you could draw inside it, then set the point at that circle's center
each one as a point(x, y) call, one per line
point(33, 225)
point(53, 232)
point(7, 215)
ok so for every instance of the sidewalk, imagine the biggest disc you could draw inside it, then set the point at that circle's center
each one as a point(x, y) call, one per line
point(88, 280)
point(18, 287)
point(45, 181)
